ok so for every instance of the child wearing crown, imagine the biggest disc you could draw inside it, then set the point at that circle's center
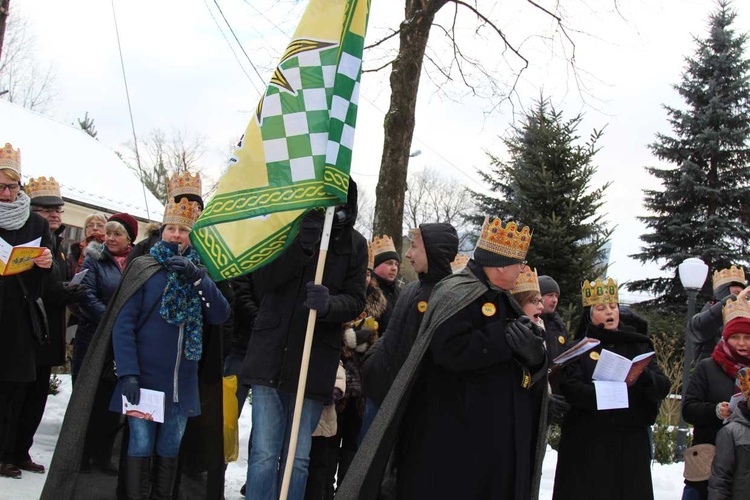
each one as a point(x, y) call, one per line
point(730, 471)
point(607, 453)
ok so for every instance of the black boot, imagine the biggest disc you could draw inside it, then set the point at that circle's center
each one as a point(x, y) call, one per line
point(165, 470)
point(137, 477)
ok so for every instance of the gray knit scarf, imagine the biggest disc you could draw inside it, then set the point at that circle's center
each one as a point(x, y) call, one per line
point(14, 214)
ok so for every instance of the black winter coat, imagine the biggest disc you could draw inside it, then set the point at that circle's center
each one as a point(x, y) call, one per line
point(556, 334)
point(607, 454)
point(392, 292)
point(274, 354)
point(467, 432)
point(384, 359)
point(144, 246)
point(709, 385)
point(55, 298)
point(18, 353)
point(246, 301)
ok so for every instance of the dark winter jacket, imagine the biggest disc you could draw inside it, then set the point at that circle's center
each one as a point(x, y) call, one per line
point(18, 353)
point(556, 334)
point(611, 446)
point(709, 385)
point(392, 291)
point(730, 472)
point(56, 297)
point(246, 301)
point(155, 352)
point(384, 359)
point(274, 354)
point(100, 282)
point(143, 247)
point(704, 329)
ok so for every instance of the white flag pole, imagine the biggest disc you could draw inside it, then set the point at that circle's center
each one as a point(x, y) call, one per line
point(302, 382)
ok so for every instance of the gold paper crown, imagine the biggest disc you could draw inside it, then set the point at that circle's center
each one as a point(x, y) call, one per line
point(184, 183)
point(41, 186)
point(599, 292)
point(734, 308)
point(381, 244)
point(743, 381)
point(10, 158)
point(527, 281)
point(183, 213)
point(731, 275)
point(459, 262)
point(370, 256)
point(506, 240)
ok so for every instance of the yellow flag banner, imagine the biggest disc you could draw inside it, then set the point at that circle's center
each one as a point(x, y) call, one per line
point(296, 151)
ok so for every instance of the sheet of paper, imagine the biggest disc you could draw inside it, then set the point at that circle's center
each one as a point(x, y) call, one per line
point(585, 345)
point(78, 278)
point(611, 367)
point(150, 407)
point(5, 249)
point(733, 402)
point(611, 395)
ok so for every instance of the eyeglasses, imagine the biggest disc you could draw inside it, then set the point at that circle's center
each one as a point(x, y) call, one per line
point(535, 302)
point(53, 210)
point(13, 188)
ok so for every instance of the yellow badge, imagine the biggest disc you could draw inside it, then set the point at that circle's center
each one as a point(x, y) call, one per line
point(421, 306)
point(594, 355)
point(489, 309)
point(561, 339)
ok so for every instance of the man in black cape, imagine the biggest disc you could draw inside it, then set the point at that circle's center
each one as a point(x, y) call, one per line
point(458, 415)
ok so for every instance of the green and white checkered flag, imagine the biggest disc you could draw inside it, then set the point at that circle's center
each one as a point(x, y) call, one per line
point(296, 152)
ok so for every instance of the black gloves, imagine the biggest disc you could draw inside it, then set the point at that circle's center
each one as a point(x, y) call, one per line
point(317, 298)
point(73, 293)
point(182, 265)
point(526, 346)
point(557, 409)
point(310, 230)
point(131, 389)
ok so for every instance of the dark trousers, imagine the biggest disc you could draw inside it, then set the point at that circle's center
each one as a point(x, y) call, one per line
point(322, 468)
point(10, 394)
point(349, 424)
point(29, 408)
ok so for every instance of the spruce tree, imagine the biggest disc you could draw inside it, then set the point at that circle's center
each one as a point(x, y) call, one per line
point(546, 185)
point(701, 210)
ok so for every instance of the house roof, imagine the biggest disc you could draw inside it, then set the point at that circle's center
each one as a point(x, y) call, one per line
point(88, 172)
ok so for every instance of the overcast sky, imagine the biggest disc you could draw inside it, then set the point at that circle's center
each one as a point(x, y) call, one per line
point(183, 75)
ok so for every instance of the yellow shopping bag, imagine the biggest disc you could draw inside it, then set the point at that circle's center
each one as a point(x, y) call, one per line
point(231, 426)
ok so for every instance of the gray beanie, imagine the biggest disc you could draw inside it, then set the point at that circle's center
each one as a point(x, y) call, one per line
point(548, 285)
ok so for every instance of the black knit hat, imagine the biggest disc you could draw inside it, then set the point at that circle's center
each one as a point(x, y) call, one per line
point(548, 285)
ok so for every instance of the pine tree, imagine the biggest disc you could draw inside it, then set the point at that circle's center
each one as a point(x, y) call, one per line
point(546, 185)
point(701, 211)
point(87, 125)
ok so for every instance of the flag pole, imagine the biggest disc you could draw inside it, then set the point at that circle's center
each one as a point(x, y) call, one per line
point(302, 382)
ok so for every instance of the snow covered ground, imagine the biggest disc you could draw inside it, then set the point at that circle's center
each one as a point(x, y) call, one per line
point(667, 478)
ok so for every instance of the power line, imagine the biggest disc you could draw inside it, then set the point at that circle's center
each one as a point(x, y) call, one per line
point(130, 109)
point(216, 2)
point(205, 2)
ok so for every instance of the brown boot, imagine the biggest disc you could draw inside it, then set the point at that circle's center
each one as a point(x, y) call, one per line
point(30, 466)
point(9, 470)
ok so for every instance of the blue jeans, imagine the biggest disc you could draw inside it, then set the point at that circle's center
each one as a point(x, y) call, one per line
point(692, 493)
point(166, 436)
point(272, 422)
point(371, 409)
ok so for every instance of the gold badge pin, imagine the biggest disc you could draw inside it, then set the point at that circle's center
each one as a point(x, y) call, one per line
point(422, 306)
point(489, 309)
point(561, 339)
point(594, 355)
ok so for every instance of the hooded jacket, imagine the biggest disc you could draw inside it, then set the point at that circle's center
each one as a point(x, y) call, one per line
point(704, 329)
point(384, 359)
point(730, 471)
point(274, 354)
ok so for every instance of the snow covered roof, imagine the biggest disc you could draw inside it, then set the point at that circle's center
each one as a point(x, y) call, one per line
point(88, 172)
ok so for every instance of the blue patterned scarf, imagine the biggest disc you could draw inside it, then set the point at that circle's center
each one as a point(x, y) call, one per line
point(180, 304)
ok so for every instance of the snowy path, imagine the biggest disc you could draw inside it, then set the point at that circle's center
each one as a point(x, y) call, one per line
point(667, 478)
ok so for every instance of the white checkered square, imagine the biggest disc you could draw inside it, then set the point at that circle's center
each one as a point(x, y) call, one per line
point(309, 58)
point(329, 76)
point(318, 143)
point(276, 150)
point(293, 76)
point(347, 136)
point(295, 124)
point(272, 105)
point(332, 152)
point(315, 99)
point(349, 65)
point(355, 93)
point(339, 107)
point(302, 169)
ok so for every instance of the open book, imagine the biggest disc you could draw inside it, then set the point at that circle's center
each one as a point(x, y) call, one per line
point(17, 259)
point(585, 345)
point(613, 375)
point(150, 407)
